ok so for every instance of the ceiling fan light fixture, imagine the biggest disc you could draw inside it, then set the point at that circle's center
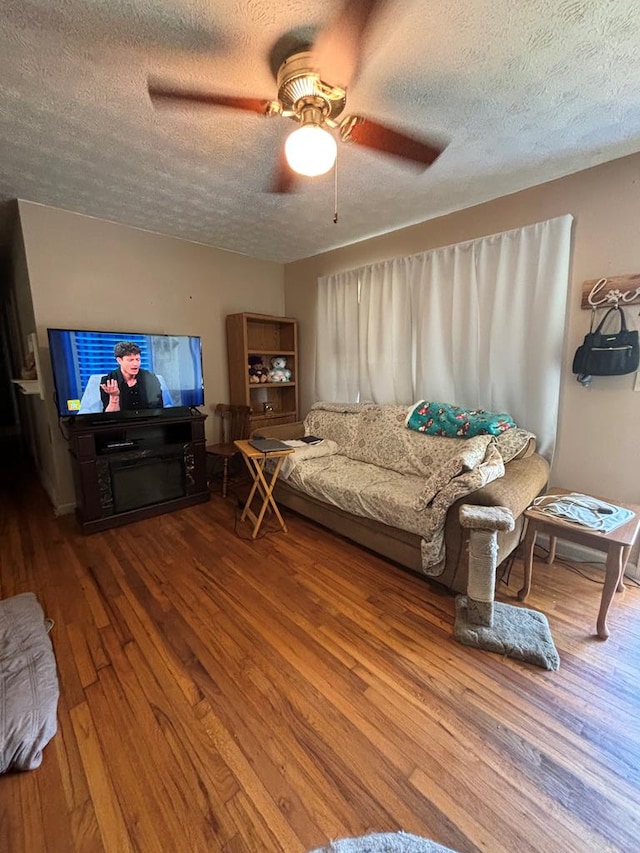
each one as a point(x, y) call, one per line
point(310, 150)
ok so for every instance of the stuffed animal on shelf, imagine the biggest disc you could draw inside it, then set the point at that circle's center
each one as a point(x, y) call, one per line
point(258, 371)
point(279, 371)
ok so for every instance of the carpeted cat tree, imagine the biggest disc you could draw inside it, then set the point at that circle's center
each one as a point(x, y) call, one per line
point(481, 622)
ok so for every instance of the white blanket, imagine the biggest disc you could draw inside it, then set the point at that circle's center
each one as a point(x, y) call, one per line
point(304, 451)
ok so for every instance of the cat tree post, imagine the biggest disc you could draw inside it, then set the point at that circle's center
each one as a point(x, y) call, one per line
point(483, 522)
point(492, 625)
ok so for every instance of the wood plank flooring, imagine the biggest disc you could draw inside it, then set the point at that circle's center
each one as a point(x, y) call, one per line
point(219, 694)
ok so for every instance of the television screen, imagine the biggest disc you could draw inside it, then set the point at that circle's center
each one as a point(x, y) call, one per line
point(124, 373)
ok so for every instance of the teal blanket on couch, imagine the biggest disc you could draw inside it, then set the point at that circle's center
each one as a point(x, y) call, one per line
point(455, 422)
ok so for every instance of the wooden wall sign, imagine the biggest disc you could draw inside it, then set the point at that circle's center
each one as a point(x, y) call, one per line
point(603, 292)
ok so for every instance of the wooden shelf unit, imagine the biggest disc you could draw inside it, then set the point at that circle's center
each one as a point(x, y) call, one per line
point(266, 336)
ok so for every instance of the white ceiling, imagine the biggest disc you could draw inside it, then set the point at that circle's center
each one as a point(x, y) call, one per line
point(524, 91)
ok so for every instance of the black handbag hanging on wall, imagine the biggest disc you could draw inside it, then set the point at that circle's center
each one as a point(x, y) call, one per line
point(607, 354)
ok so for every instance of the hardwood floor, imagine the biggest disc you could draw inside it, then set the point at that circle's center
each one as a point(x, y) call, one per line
point(219, 694)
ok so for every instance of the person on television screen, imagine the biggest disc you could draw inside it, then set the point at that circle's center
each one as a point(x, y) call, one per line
point(130, 386)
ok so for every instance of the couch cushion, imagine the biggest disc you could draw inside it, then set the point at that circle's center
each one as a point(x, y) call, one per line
point(378, 436)
point(339, 425)
point(362, 489)
point(382, 439)
point(516, 444)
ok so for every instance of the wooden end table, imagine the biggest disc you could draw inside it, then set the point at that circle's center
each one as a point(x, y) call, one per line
point(616, 545)
point(255, 462)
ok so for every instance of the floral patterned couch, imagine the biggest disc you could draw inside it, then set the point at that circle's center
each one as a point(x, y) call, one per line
point(397, 491)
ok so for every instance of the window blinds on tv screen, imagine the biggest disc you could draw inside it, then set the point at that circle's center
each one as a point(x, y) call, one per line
point(141, 371)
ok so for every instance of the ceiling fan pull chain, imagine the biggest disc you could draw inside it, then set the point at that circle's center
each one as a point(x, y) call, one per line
point(335, 192)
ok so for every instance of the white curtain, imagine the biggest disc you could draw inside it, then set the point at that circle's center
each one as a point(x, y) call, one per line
point(478, 324)
point(337, 363)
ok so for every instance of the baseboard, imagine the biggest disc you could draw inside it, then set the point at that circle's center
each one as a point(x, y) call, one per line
point(582, 554)
point(64, 509)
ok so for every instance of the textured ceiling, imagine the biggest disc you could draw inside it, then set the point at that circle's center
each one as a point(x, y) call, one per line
point(523, 91)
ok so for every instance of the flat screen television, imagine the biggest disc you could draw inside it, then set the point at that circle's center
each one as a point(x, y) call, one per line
point(113, 375)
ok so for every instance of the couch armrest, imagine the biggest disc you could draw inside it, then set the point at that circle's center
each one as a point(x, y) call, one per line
point(281, 431)
point(524, 479)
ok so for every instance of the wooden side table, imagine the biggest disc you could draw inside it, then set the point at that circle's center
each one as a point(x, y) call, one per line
point(255, 461)
point(616, 545)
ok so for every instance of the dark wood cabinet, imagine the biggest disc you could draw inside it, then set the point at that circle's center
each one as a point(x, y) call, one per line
point(134, 469)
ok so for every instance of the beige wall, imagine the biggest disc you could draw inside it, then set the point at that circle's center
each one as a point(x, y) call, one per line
point(32, 409)
point(597, 448)
point(91, 274)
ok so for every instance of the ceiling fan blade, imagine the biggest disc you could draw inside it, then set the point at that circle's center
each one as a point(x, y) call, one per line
point(338, 49)
point(284, 179)
point(372, 134)
point(161, 94)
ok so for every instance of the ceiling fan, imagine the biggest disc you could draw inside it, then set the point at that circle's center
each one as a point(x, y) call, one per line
point(316, 105)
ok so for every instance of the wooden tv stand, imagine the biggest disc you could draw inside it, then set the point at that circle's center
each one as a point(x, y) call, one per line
point(132, 469)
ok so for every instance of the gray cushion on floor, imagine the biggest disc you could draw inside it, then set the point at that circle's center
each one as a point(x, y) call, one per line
point(516, 632)
point(28, 684)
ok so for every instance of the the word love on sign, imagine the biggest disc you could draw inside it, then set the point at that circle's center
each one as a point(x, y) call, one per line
point(605, 292)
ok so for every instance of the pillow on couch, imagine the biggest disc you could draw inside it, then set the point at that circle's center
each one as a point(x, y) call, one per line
point(516, 444)
point(28, 684)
